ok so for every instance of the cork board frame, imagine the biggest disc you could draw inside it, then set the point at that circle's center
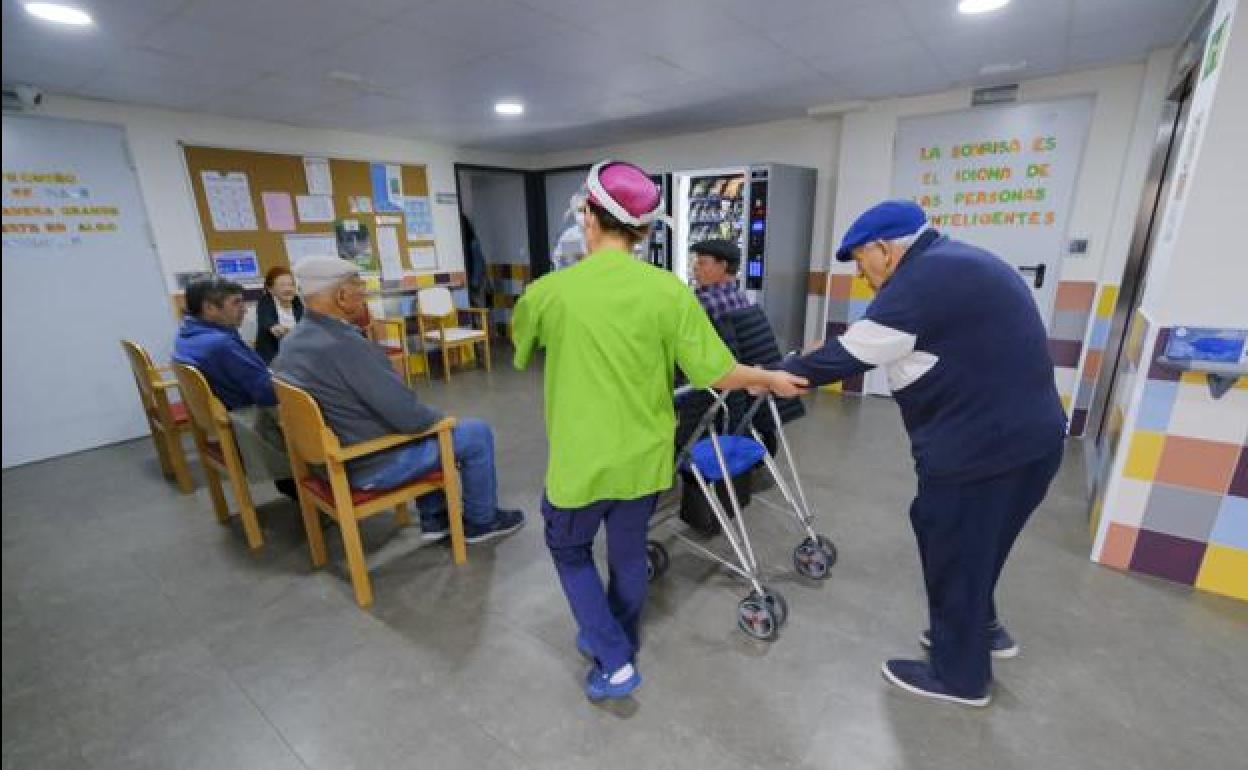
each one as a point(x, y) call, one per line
point(284, 173)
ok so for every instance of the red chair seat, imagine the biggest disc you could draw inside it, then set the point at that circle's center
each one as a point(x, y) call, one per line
point(392, 351)
point(179, 411)
point(320, 487)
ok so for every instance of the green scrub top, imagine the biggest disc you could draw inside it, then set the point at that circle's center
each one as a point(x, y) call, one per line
point(614, 328)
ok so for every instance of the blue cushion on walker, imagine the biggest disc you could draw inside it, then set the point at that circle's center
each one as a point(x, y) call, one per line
point(740, 454)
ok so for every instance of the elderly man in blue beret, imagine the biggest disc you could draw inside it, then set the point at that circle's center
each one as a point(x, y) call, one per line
point(965, 350)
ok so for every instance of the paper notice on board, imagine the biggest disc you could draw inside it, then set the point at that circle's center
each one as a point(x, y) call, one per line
point(229, 201)
point(419, 215)
point(299, 247)
point(315, 208)
point(317, 172)
point(387, 182)
point(388, 249)
point(422, 257)
point(279, 212)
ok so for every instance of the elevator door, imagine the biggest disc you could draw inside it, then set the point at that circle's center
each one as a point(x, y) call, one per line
point(1170, 132)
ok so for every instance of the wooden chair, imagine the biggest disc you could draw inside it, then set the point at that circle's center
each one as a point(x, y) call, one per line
point(391, 335)
point(434, 306)
point(310, 442)
point(218, 451)
point(168, 420)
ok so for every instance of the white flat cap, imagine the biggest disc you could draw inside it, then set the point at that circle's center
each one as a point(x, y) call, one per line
point(316, 274)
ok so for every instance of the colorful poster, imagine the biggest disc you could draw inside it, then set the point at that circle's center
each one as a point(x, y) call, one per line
point(387, 179)
point(229, 201)
point(279, 212)
point(419, 216)
point(388, 249)
point(300, 247)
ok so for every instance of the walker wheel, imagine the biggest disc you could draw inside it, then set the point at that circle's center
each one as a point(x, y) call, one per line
point(757, 618)
point(657, 560)
point(779, 607)
point(814, 558)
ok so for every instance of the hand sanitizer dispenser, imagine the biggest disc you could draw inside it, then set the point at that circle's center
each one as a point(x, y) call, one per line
point(1222, 354)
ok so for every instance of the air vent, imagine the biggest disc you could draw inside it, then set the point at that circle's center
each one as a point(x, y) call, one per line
point(994, 95)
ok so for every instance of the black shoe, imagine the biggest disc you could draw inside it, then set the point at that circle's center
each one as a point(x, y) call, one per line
point(505, 522)
point(434, 527)
point(287, 487)
point(1001, 644)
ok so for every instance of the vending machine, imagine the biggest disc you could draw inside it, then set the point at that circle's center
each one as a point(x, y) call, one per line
point(658, 247)
point(767, 209)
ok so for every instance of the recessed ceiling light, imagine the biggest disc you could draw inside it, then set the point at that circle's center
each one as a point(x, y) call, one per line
point(981, 6)
point(509, 108)
point(60, 14)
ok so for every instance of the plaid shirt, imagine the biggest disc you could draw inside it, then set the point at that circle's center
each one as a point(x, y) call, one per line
point(721, 298)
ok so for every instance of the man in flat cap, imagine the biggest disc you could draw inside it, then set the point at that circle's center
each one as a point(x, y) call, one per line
point(966, 353)
point(715, 266)
point(363, 398)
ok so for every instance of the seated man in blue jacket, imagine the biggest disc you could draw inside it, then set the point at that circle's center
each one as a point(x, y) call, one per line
point(209, 340)
point(966, 353)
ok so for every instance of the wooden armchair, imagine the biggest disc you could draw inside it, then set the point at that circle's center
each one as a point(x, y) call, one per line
point(218, 451)
point(310, 442)
point(391, 335)
point(438, 321)
point(166, 419)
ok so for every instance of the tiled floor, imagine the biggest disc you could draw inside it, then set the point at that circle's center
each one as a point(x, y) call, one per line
point(138, 633)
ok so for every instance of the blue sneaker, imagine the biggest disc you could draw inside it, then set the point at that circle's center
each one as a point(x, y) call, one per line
point(1001, 643)
point(434, 527)
point(916, 678)
point(505, 522)
point(582, 646)
point(598, 685)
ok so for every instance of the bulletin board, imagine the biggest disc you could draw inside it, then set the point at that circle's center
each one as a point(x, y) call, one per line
point(273, 183)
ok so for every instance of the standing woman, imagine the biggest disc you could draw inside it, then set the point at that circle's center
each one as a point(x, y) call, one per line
point(276, 312)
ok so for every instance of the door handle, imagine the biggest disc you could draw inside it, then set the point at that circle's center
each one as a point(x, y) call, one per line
point(1037, 271)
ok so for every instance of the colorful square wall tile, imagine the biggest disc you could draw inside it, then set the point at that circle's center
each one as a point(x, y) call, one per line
point(1224, 571)
point(1119, 545)
point(1198, 464)
point(1197, 413)
point(1231, 528)
point(1155, 370)
point(1106, 302)
point(1092, 364)
point(1100, 333)
point(1075, 295)
point(1136, 334)
point(1078, 421)
point(816, 283)
point(1065, 352)
point(840, 286)
point(1069, 325)
point(1156, 405)
point(1166, 556)
point(1064, 377)
point(860, 289)
point(838, 310)
point(1130, 500)
point(1184, 513)
point(857, 309)
point(1239, 481)
point(1083, 396)
point(1143, 454)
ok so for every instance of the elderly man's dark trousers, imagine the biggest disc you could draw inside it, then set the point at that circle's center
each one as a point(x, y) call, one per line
point(965, 532)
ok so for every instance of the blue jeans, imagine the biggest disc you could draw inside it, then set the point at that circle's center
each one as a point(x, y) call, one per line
point(474, 454)
point(608, 618)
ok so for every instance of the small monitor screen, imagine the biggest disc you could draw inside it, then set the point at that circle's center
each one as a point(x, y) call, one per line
point(756, 269)
point(241, 265)
point(757, 225)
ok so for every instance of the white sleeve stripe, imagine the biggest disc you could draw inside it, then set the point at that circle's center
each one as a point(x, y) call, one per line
point(876, 344)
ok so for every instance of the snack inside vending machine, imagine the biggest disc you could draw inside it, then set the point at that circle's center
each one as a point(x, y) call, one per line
point(767, 209)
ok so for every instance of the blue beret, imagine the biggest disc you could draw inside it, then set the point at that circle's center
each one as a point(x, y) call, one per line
point(890, 219)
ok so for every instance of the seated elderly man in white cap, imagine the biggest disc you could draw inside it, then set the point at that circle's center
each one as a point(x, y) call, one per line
point(363, 398)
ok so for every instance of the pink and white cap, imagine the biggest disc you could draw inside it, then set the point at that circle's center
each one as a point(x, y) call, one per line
point(626, 192)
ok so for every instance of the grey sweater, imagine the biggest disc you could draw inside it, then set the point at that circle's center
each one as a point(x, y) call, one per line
point(360, 394)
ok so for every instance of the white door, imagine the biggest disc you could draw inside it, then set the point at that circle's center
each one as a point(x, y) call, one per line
point(1002, 178)
point(79, 274)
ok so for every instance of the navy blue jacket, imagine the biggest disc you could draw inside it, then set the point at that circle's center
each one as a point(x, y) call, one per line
point(967, 359)
point(235, 372)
